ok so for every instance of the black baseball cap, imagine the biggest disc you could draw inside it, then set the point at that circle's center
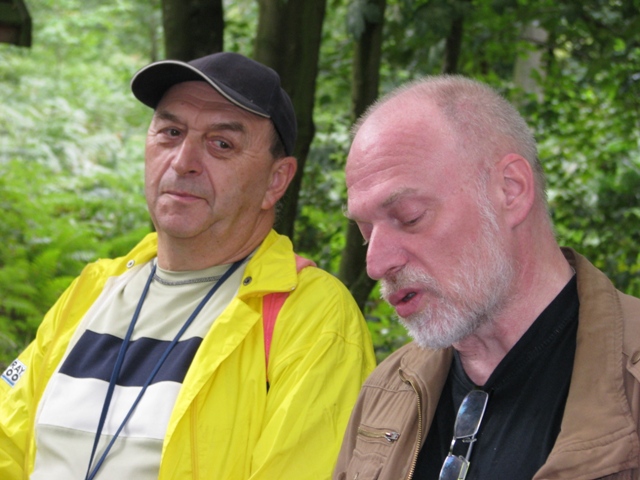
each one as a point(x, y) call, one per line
point(244, 82)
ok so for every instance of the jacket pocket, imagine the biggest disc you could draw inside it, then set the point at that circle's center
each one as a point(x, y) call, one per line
point(372, 450)
point(377, 434)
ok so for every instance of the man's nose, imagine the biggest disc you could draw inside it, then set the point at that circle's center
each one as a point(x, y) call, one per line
point(188, 157)
point(384, 253)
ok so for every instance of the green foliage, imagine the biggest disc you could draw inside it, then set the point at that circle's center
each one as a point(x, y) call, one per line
point(71, 140)
point(320, 222)
point(50, 230)
point(386, 332)
point(588, 133)
point(591, 155)
point(241, 18)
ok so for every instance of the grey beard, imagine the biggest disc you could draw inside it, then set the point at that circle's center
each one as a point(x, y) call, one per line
point(475, 296)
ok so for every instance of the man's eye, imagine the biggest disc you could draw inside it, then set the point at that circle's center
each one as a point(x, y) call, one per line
point(222, 144)
point(171, 132)
point(411, 221)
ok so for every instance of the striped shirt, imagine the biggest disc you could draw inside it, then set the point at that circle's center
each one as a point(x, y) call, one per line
point(69, 412)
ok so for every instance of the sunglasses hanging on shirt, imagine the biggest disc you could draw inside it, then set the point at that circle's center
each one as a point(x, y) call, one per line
point(465, 429)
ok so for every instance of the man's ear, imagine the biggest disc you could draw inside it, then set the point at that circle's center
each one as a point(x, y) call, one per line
point(517, 183)
point(282, 172)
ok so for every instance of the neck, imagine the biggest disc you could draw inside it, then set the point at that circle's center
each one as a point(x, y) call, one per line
point(191, 254)
point(537, 284)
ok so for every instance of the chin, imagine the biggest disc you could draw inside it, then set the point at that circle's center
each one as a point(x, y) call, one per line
point(177, 233)
point(436, 330)
point(429, 340)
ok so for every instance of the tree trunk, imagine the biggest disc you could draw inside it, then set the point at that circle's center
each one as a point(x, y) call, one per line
point(288, 40)
point(192, 28)
point(364, 91)
point(453, 42)
point(530, 65)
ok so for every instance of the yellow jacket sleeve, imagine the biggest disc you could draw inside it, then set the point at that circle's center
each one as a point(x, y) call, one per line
point(18, 402)
point(321, 354)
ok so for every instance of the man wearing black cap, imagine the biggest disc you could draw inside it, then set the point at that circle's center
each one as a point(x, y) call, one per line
point(210, 350)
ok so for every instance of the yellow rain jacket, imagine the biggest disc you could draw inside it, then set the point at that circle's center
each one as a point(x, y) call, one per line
point(225, 425)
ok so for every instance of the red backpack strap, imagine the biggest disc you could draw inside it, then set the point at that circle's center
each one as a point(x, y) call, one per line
point(271, 305)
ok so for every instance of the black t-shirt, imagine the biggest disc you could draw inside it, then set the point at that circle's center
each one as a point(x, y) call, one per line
point(527, 394)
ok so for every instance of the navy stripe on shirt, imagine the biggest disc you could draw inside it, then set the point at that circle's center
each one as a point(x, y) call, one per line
point(95, 355)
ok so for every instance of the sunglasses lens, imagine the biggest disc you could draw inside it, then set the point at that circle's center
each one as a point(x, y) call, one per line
point(454, 468)
point(470, 414)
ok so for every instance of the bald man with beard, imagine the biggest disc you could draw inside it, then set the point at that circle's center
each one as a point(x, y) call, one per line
point(525, 359)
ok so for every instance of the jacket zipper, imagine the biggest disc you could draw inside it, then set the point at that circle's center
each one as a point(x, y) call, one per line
point(419, 435)
point(390, 436)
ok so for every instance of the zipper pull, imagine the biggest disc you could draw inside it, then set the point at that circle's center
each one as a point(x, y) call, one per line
point(388, 435)
point(391, 436)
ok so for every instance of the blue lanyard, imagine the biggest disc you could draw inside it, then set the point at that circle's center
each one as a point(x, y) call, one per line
point(91, 473)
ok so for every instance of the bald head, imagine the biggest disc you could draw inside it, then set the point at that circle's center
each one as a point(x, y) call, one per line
point(484, 125)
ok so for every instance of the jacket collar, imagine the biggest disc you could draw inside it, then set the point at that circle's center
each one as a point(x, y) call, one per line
point(277, 275)
point(597, 419)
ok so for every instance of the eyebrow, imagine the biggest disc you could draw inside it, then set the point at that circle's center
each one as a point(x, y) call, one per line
point(165, 115)
point(231, 126)
point(394, 197)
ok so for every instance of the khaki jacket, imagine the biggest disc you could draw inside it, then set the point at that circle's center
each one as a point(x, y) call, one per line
point(224, 424)
point(599, 433)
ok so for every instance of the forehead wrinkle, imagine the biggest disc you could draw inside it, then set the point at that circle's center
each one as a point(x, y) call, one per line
point(233, 126)
point(163, 114)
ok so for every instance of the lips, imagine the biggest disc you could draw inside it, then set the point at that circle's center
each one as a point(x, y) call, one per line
point(406, 301)
point(182, 195)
